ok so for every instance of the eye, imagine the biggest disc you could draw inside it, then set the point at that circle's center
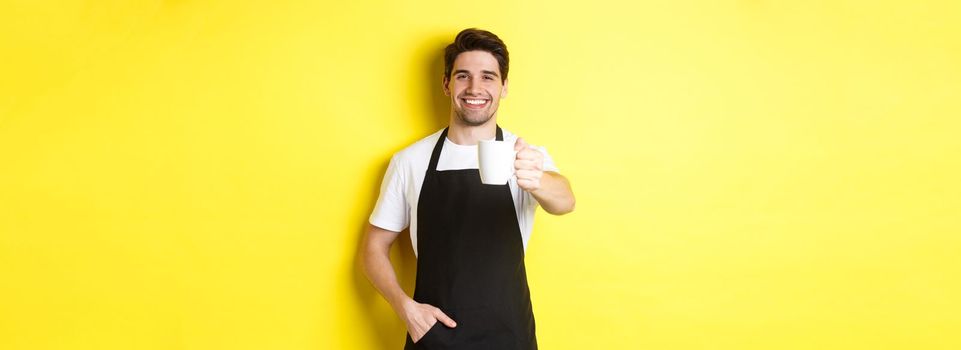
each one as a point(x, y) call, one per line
point(461, 76)
point(489, 77)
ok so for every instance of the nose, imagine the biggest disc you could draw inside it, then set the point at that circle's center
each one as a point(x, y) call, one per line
point(473, 88)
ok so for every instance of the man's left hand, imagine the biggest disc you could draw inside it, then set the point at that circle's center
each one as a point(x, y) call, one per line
point(528, 166)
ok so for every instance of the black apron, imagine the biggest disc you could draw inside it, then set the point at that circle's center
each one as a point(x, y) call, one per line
point(470, 262)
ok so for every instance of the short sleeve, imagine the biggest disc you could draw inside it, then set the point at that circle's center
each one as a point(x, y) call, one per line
point(392, 209)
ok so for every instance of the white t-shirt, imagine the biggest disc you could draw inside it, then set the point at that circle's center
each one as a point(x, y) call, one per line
point(397, 205)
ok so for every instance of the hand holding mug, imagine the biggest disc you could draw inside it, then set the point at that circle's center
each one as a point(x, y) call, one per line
point(528, 166)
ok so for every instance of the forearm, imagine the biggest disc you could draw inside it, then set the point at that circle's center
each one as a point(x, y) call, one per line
point(555, 194)
point(380, 272)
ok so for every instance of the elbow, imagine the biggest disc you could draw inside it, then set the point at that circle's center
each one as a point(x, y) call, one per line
point(566, 208)
point(570, 207)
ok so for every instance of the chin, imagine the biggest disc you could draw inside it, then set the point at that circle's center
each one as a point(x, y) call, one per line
point(480, 120)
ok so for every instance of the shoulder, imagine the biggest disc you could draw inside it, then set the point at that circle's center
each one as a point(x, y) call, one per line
point(417, 151)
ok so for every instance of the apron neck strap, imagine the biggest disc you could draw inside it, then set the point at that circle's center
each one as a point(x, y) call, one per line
point(435, 155)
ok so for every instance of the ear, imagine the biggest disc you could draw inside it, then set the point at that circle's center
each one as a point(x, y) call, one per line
point(446, 88)
point(504, 88)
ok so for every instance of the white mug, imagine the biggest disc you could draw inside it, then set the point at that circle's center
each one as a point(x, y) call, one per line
point(495, 160)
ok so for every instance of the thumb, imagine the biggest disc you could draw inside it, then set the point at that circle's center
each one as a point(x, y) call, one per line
point(444, 319)
point(520, 144)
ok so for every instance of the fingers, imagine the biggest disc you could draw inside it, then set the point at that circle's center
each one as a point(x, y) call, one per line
point(528, 164)
point(524, 174)
point(530, 153)
point(520, 144)
point(427, 325)
point(528, 160)
point(441, 317)
point(529, 184)
point(420, 329)
point(529, 180)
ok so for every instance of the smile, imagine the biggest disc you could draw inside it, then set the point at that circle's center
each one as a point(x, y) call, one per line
point(475, 103)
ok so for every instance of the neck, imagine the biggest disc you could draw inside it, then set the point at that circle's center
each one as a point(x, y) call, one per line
point(469, 135)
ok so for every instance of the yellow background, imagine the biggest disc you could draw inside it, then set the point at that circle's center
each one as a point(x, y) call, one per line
point(749, 174)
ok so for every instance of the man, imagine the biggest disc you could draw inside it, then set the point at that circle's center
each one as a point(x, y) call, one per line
point(469, 238)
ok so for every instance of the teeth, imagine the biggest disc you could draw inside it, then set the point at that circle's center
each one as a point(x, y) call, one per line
point(476, 102)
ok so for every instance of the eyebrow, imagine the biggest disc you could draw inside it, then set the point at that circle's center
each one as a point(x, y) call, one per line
point(483, 72)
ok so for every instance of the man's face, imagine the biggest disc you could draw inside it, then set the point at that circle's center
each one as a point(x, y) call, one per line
point(475, 87)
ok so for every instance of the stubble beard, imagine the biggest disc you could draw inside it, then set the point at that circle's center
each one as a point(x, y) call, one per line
point(473, 118)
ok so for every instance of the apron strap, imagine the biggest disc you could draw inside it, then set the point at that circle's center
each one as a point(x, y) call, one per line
point(435, 155)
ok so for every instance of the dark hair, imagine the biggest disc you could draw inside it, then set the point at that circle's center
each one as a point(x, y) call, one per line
point(473, 39)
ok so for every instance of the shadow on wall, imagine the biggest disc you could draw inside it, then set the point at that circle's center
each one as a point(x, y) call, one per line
point(385, 325)
point(438, 103)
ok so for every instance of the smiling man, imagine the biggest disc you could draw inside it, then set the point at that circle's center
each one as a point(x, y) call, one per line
point(469, 238)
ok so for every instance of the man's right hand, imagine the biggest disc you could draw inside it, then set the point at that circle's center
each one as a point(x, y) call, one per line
point(421, 317)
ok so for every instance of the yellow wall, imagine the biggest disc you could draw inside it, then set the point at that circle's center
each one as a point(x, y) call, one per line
point(750, 174)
